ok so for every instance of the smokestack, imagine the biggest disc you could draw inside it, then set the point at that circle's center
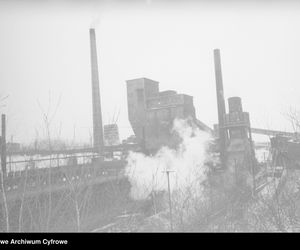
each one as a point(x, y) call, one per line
point(221, 104)
point(97, 115)
point(3, 144)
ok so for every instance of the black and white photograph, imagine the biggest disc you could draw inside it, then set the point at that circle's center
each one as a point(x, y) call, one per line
point(149, 116)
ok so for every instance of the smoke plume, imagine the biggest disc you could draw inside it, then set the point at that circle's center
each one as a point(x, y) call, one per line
point(186, 163)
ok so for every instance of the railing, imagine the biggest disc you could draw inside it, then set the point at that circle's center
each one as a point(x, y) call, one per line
point(274, 133)
point(121, 147)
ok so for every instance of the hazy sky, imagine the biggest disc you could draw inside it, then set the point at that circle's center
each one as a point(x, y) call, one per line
point(44, 52)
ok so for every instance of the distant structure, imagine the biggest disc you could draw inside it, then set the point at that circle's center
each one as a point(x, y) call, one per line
point(111, 135)
point(239, 138)
point(97, 115)
point(130, 140)
point(151, 113)
point(234, 134)
point(233, 130)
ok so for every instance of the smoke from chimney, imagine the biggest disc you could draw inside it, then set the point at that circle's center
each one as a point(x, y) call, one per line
point(147, 173)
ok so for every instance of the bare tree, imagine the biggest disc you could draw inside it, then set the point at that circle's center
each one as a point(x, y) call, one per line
point(22, 200)
point(293, 116)
point(48, 118)
point(6, 214)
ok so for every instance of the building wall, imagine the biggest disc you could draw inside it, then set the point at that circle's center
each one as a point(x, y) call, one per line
point(152, 113)
point(138, 91)
point(159, 127)
point(111, 135)
point(238, 145)
point(160, 118)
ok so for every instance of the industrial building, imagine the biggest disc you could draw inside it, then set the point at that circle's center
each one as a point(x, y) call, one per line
point(111, 135)
point(238, 133)
point(151, 113)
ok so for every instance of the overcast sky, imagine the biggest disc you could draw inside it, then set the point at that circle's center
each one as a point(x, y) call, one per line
point(44, 52)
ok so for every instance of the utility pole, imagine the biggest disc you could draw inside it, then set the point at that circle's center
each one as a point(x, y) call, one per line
point(170, 201)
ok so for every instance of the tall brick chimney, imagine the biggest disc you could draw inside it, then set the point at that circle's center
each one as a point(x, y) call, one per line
point(97, 115)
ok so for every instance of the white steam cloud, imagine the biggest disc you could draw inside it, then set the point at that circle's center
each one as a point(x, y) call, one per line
point(148, 173)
